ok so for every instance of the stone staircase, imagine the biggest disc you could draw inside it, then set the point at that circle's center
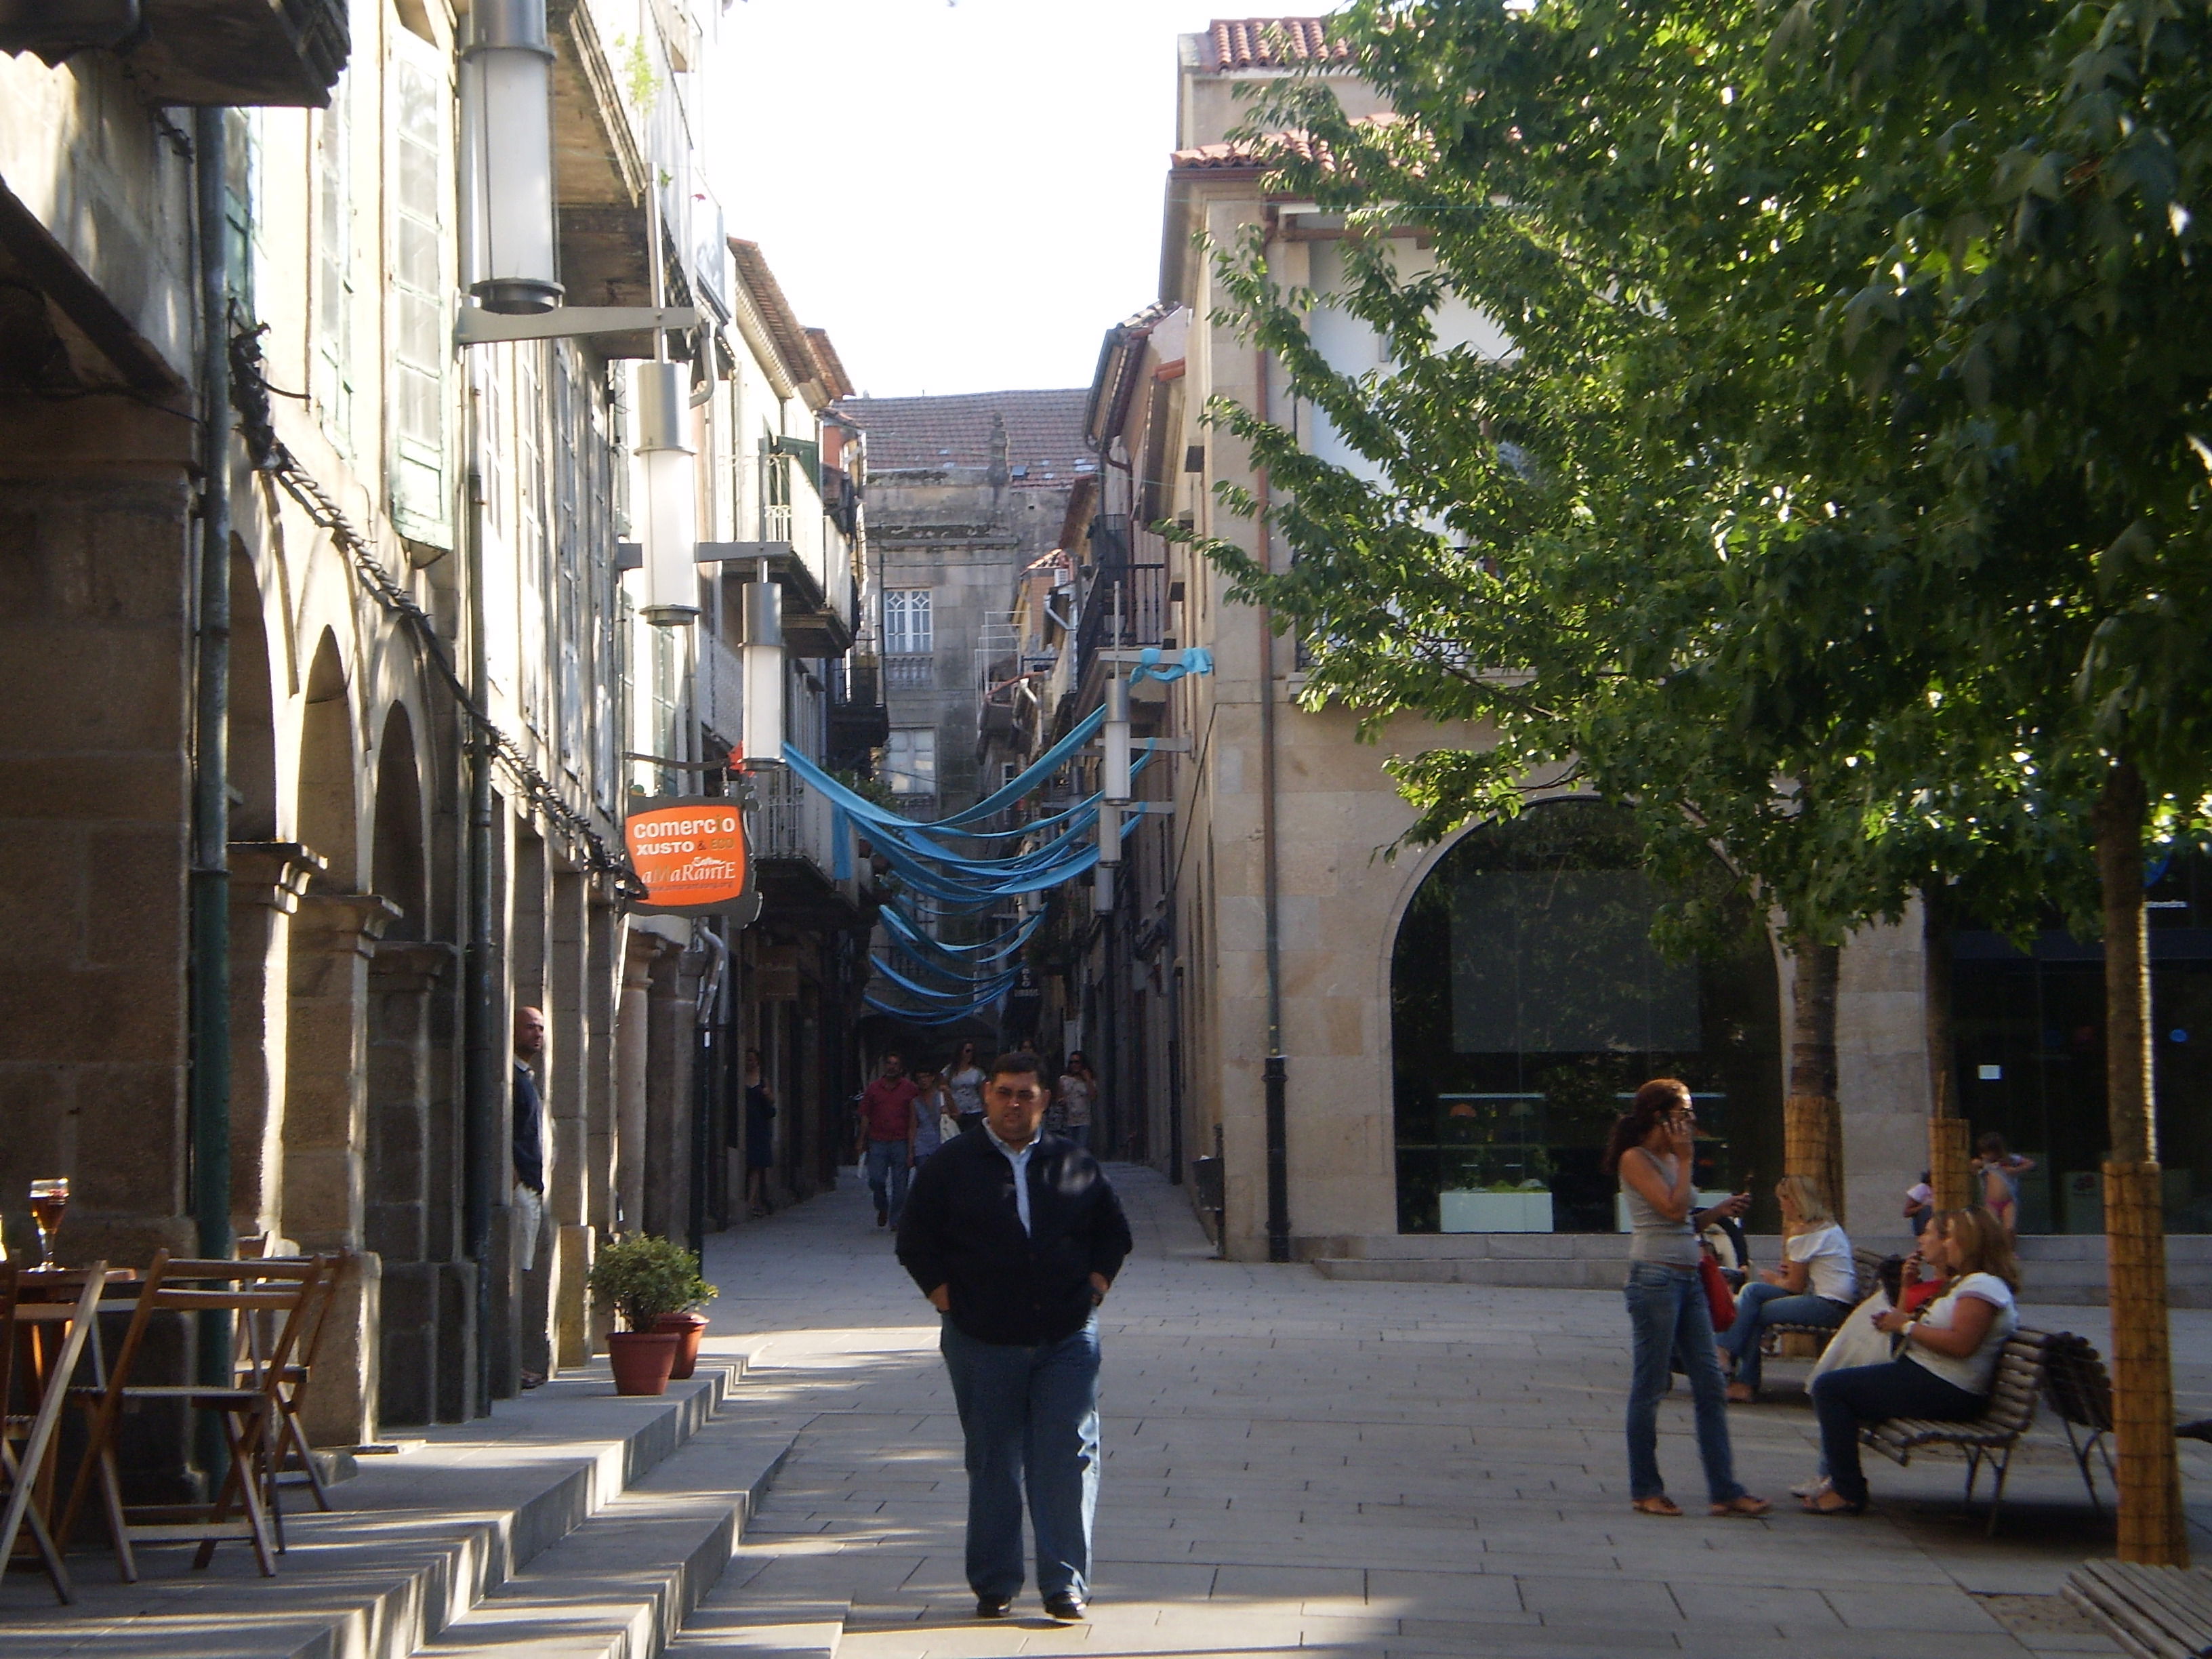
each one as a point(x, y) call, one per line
point(573, 1524)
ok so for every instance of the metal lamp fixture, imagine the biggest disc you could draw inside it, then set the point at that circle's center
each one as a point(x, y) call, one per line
point(763, 672)
point(1109, 833)
point(1102, 890)
point(506, 90)
point(1114, 781)
point(668, 494)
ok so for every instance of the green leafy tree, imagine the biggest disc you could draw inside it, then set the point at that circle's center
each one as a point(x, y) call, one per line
point(1853, 437)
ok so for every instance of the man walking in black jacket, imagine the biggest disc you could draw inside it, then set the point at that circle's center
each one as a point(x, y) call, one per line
point(1015, 1237)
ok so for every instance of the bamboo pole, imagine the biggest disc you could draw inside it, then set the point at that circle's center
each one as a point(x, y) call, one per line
point(2152, 1530)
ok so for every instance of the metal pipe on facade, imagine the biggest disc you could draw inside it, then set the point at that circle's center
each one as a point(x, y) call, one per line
point(1275, 1069)
point(482, 1112)
point(210, 867)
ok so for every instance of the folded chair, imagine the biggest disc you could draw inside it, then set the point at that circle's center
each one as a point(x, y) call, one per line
point(64, 1321)
point(269, 1295)
point(254, 1337)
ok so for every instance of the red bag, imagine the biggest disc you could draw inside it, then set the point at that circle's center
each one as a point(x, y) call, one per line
point(1718, 1297)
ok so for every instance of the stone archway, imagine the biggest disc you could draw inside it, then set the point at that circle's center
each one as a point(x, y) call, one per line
point(333, 936)
point(1511, 1064)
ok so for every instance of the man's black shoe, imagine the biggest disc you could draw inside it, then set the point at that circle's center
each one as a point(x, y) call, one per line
point(993, 1606)
point(883, 1218)
point(1066, 1607)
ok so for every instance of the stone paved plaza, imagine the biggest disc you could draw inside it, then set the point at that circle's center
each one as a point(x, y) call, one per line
point(1363, 1468)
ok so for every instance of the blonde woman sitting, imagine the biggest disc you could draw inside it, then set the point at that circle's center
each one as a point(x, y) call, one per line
point(1815, 1284)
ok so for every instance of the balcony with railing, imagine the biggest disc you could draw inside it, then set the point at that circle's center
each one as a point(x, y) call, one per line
point(794, 850)
point(859, 721)
point(235, 52)
point(804, 555)
point(1125, 591)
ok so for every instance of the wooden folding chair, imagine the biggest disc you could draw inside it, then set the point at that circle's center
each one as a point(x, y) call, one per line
point(65, 1323)
point(289, 1427)
point(270, 1293)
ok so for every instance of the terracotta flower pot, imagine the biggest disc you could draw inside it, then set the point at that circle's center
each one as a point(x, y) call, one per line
point(641, 1360)
point(688, 1328)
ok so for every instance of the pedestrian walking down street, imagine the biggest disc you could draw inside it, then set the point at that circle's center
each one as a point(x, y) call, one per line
point(966, 1080)
point(1015, 1237)
point(760, 1132)
point(929, 1103)
point(886, 1137)
point(1652, 1149)
point(527, 1132)
point(1078, 1094)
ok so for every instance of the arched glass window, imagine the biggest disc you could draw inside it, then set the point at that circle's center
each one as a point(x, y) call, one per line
point(1528, 1003)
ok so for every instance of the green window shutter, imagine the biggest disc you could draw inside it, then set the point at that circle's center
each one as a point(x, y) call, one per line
point(420, 285)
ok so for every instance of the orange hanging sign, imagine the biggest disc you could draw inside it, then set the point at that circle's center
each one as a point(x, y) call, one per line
point(691, 855)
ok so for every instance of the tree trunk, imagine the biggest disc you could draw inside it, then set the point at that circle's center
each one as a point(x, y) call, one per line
point(2151, 1519)
point(1950, 1138)
point(1811, 1127)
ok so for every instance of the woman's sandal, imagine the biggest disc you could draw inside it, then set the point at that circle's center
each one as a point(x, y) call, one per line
point(1827, 1502)
point(1661, 1504)
point(1742, 1393)
point(1745, 1504)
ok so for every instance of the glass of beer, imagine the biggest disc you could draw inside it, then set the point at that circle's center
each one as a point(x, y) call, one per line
point(48, 1200)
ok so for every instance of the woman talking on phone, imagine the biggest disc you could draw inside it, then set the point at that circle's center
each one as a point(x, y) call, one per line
point(1651, 1149)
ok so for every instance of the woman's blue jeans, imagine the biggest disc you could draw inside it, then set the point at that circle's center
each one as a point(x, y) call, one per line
point(1030, 1416)
point(1668, 1315)
point(1843, 1399)
point(1763, 1304)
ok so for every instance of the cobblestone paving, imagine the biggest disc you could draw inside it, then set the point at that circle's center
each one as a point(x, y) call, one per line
point(1362, 1468)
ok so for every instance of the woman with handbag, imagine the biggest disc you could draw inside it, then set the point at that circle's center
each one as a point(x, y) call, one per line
point(1652, 1149)
point(1815, 1284)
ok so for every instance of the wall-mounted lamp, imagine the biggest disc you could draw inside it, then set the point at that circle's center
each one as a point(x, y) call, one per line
point(1109, 833)
point(1102, 890)
point(1114, 774)
point(763, 672)
point(508, 257)
point(669, 491)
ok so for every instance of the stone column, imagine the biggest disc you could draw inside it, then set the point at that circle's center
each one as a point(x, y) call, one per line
point(633, 1051)
point(401, 976)
point(326, 1139)
point(672, 1040)
point(568, 1175)
point(267, 878)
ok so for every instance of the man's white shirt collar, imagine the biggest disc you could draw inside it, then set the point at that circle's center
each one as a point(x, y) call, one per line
point(1020, 1160)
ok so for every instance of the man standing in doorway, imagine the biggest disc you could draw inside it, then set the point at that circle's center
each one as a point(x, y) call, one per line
point(1015, 1237)
point(529, 1152)
point(886, 1124)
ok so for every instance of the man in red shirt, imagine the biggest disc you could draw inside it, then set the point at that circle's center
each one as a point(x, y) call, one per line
point(887, 1136)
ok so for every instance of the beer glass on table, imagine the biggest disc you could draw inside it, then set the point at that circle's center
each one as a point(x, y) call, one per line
point(48, 1200)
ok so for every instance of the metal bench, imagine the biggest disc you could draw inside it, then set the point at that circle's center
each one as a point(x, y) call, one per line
point(2155, 1612)
point(1992, 1436)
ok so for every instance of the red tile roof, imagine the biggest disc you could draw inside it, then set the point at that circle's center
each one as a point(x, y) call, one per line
point(1247, 155)
point(1045, 445)
point(1244, 43)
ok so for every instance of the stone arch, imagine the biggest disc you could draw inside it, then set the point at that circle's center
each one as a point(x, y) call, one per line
point(1508, 1068)
point(396, 864)
point(252, 732)
point(329, 812)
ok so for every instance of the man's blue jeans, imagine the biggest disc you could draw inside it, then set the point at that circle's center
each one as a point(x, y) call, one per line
point(1668, 1318)
point(886, 1166)
point(1762, 1305)
point(1030, 1419)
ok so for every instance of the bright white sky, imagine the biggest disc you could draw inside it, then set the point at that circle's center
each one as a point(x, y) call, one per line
point(966, 196)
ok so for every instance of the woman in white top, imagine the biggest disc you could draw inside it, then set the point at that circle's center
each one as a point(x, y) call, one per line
point(1078, 1094)
point(966, 1081)
point(1815, 1284)
point(1947, 1359)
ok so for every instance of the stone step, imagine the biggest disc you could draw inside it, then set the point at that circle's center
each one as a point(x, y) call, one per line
point(622, 1582)
point(726, 1627)
point(414, 1540)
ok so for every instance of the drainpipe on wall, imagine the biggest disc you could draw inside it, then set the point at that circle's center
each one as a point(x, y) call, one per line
point(1275, 1070)
point(706, 1018)
point(210, 887)
point(482, 1156)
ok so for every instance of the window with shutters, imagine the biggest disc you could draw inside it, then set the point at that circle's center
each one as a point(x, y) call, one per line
point(421, 263)
point(334, 253)
point(910, 761)
point(532, 514)
point(906, 623)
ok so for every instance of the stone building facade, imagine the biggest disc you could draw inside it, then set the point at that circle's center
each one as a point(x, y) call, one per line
point(1271, 906)
point(437, 681)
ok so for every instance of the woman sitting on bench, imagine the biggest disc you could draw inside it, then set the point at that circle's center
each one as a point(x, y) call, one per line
point(1947, 1360)
point(1815, 1285)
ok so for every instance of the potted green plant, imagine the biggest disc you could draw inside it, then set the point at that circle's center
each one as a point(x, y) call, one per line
point(642, 1278)
point(688, 1323)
